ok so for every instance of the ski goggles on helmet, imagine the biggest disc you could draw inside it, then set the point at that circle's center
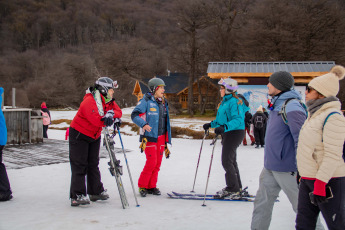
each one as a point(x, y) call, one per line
point(112, 85)
point(115, 85)
point(222, 82)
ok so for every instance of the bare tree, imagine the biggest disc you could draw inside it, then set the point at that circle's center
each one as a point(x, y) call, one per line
point(191, 17)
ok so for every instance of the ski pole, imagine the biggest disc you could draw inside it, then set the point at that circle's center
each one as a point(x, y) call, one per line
point(197, 165)
point(209, 170)
point(129, 171)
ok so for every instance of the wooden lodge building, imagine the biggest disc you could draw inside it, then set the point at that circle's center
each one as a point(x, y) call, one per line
point(257, 73)
point(245, 73)
point(176, 90)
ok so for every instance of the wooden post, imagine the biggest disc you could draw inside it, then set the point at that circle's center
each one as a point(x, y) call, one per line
point(3, 100)
point(13, 97)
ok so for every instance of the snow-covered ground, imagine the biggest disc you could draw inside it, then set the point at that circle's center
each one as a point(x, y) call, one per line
point(41, 194)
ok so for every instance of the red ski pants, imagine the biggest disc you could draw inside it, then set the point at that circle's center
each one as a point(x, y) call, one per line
point(154, 154)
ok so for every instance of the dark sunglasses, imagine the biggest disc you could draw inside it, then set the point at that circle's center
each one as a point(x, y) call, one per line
point(310, 89)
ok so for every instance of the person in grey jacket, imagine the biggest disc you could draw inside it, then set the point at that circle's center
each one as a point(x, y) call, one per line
point(280, 170)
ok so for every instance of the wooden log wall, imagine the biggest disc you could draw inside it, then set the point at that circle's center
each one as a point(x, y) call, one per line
point(23, 128)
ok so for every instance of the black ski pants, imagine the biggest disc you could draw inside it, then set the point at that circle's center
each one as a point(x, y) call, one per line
point(5, 188)
point(45, 131)
point(231, 140)
point(259, 135)
point(333, 211)
point(84, 160)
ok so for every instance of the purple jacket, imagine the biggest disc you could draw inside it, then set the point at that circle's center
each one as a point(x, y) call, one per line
point(281, 139)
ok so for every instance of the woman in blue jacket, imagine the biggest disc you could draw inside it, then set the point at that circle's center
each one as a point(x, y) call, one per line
point(229, 123)
point(5, 188)
point(152, 116)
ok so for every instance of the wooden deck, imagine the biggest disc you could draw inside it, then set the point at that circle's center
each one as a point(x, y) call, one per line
point(49, 152)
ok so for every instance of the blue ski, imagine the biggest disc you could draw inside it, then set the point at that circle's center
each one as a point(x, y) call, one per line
point(201, 195)
point(210, 197)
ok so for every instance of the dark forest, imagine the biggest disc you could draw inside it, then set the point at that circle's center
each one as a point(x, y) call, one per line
point(52, 50)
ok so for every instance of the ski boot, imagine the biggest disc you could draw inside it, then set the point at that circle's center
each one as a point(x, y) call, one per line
point(102, 196)
point(81, 199)
point(226, 193)
point(143, 192)
point(154, 191)
point(245, 193)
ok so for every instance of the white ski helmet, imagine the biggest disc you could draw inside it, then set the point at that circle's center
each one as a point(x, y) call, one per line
point(103, 84)
point(229, 84)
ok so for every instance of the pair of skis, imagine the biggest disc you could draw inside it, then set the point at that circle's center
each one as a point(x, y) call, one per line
point(193, 196)
point(115, 167)
point(204, 196)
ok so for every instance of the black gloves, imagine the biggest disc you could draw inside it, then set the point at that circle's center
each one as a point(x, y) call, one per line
point(108, 118)
point(206, 126)
point(219, 130)
point(117, 122)
point(316, 199)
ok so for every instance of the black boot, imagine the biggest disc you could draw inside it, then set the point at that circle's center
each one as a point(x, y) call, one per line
point(154, 191)
point(102, 196)
point(81, 199)
point(143, 192)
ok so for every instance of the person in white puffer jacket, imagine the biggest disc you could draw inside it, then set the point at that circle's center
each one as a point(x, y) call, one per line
point(320, 155)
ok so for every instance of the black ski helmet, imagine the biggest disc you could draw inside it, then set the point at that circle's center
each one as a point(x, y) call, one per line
point(154, 83)
point(103, 84)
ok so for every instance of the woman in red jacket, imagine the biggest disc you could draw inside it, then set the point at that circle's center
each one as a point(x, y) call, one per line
point(97, 110)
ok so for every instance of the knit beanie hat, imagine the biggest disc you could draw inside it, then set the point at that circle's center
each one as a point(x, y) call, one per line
point(328, 84)
point(43, 105)
point(282, 80)
point(260, 109)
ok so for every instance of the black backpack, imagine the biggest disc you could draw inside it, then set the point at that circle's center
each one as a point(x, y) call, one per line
point(259, 122)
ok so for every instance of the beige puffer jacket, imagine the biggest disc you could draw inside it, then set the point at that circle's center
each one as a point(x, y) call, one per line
point(322, 159)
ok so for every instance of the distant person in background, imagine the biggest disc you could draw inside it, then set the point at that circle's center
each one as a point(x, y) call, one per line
point(67, 134)
point(259, 120)
point(5, 188)
point(247, 121)
point(97, 110)
point(265, 112)
point(46, 119)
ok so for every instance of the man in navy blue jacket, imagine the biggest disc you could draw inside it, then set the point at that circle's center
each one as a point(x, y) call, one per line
point(280, 169)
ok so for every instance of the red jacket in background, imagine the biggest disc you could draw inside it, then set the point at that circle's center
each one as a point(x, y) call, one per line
point(88, 121)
